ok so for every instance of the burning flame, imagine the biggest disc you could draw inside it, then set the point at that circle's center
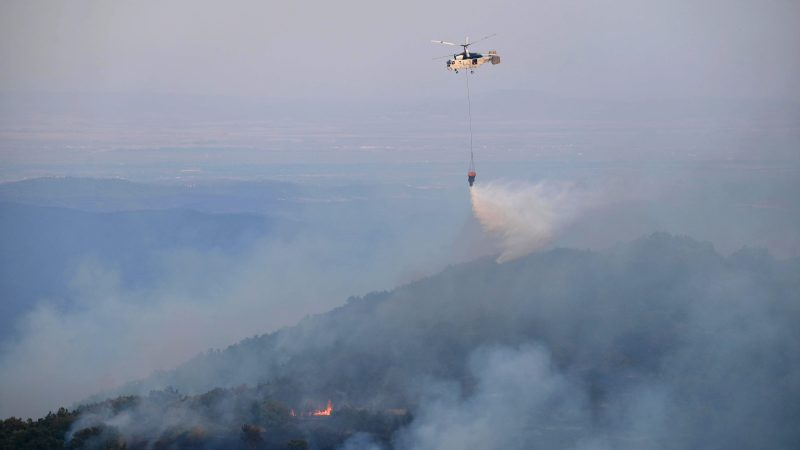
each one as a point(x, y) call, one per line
point(324, 412)
point(292, 413)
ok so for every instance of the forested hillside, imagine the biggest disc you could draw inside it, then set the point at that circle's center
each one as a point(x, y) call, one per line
point(649, 344)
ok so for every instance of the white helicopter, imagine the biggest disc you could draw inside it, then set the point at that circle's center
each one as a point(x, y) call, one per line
point(466, 59)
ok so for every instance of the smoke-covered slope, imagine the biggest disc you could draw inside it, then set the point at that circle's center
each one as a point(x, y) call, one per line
point(661, 343)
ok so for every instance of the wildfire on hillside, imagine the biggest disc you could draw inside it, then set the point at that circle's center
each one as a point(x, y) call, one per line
point(323, 412)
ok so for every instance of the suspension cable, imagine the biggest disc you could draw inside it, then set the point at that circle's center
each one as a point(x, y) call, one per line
point(469, 112)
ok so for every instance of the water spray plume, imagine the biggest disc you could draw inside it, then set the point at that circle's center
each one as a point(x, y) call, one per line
point(523, 217)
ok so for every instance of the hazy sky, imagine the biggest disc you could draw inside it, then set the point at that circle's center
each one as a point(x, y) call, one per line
point(593, 48)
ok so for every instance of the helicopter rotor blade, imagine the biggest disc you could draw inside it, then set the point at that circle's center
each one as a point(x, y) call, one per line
point(442, 57)
point(484, 38)
point(445, 43)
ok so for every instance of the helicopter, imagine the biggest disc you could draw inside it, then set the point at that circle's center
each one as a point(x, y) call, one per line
point(466, 59)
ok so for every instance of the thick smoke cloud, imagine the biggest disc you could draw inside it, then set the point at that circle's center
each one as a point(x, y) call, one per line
point(117, 334)
point(525, 217)
point(520, 401)
point(706, 362)
point(203, 299)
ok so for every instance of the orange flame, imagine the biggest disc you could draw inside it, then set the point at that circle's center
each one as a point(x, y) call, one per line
point(324, 412)
point(292, 413)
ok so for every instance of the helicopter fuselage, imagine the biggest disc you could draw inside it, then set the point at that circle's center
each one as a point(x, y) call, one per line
point(464, 61)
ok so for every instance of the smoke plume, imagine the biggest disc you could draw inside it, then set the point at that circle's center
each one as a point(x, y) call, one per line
point(524, 217)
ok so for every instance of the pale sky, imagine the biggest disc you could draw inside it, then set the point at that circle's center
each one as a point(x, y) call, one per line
point(361, 48)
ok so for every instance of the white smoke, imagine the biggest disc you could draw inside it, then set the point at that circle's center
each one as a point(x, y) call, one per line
point(525, 217)
point(520, 401)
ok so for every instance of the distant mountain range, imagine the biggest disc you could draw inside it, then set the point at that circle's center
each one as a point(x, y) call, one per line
point(50, 226)
point(43, 246)
point(109, 194)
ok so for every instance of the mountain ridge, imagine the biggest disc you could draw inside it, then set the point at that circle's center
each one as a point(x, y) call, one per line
point(658, 343)
point(662, 259)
